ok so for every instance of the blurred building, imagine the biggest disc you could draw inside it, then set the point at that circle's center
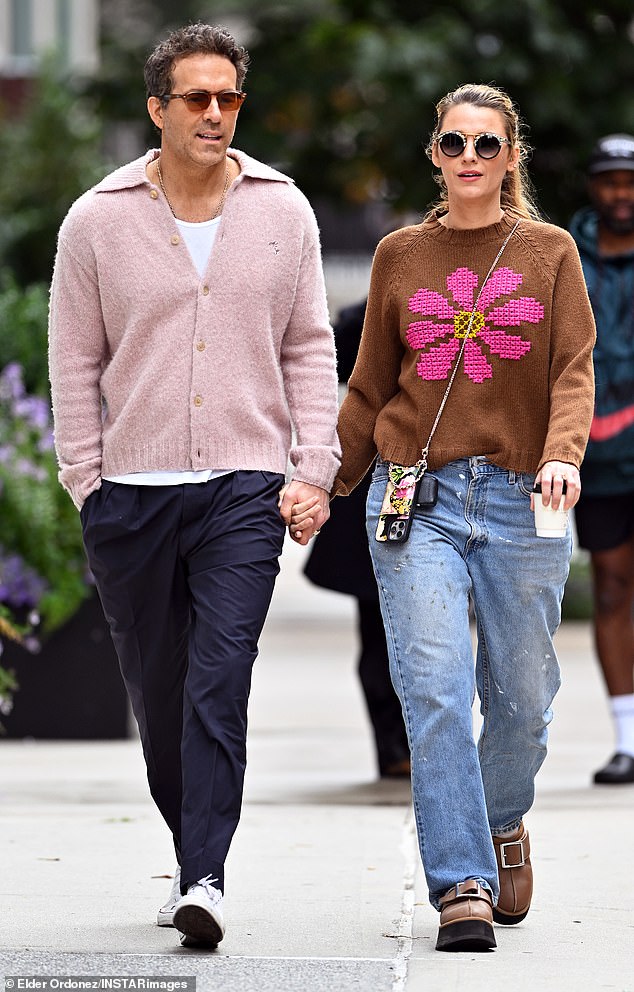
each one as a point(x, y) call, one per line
point(30, 29)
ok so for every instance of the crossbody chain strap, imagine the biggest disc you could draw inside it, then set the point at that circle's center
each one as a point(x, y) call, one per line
point(425, 450)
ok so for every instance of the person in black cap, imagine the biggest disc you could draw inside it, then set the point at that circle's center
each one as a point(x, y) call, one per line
point(604, 233)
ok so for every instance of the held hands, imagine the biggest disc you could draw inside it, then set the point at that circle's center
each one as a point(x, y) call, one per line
point(304, 509)
point(552, 476)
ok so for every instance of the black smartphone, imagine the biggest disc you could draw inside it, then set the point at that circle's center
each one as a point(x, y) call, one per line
point(428, 492)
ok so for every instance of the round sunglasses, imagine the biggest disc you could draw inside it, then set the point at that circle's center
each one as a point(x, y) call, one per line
point(486, 144)
point(199, 100)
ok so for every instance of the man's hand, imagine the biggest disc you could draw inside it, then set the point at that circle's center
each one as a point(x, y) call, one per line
point(304, 509)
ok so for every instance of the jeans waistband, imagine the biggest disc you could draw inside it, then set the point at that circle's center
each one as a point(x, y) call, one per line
point(475, 464)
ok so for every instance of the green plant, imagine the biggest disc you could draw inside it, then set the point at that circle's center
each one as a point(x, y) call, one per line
point(48, 157)
point(23, 326)
point(42, 560)
point(43, 571)
point(8, 683)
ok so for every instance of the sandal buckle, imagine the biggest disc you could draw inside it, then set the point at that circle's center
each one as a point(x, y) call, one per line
point(513, 843)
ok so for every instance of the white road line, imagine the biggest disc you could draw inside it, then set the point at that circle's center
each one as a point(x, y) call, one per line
point(409, 849)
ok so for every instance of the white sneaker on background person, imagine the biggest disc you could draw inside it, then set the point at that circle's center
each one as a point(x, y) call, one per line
point(165, 915)
point(198, 915)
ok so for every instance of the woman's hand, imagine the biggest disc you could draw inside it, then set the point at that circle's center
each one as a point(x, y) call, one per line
point(552, 476)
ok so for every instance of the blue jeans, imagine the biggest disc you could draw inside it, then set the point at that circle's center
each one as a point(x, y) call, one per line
point(478, 541)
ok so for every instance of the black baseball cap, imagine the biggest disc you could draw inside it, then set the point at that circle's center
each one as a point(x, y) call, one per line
point(615, 151)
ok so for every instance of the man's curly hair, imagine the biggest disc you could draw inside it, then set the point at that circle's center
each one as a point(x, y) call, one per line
point(195, 39)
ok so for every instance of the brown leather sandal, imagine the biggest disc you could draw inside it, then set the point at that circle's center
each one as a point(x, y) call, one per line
point(466, 919)
point(515, 872)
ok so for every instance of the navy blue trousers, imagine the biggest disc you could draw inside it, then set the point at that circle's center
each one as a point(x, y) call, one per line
point(185, 575)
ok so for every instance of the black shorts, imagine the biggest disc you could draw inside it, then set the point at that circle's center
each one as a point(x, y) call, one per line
point(604, 522)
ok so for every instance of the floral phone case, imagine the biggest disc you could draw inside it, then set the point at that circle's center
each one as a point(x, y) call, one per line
point(397, 508)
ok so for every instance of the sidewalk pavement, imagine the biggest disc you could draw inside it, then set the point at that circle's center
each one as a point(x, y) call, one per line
point(324, 887)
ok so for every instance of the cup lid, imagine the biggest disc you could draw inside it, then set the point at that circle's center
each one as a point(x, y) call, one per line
point(537, 488)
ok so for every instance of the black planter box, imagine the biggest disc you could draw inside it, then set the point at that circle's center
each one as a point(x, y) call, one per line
point(72, 689)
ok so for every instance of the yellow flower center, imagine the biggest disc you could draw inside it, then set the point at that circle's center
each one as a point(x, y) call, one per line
point(461, 323)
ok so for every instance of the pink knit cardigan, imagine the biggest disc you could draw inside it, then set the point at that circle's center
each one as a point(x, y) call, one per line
point(154, 368)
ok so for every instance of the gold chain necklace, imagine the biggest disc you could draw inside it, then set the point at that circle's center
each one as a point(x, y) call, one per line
point(221, 202)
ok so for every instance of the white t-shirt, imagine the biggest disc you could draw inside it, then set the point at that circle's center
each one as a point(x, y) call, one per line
point(199, 239)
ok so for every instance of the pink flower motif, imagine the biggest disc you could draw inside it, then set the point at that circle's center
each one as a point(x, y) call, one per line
point(450, 320)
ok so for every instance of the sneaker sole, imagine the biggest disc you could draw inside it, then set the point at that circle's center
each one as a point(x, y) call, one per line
point(466, 935)
point(199, 924)
point(165, 919)
point(613, 780)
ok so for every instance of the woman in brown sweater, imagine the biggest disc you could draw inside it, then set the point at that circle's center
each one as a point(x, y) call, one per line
point(486, 299)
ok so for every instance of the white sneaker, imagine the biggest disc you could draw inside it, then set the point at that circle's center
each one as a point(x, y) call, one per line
point(198, 915)
point(165, 915)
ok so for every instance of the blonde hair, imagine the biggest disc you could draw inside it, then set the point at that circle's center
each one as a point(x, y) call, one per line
point(516, 195)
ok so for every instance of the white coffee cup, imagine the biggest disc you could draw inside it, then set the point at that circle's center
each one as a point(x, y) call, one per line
point(549, 522)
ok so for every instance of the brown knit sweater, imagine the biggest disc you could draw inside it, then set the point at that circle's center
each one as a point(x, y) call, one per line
point(525, 390)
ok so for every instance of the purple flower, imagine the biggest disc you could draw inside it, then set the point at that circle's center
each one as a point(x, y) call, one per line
point(30, 470)
point(35, 410)
point(11, 385)
point(46, 442)
point(20, 585)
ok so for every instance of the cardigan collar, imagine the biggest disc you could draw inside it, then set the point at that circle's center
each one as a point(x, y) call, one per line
point(134, 174)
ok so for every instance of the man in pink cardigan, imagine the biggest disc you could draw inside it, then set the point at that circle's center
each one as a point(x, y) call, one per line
point(191, 358)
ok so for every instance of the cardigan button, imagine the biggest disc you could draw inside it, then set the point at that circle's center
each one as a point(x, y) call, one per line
point(205, 290)
point(175, 239)
point(154, 194)
point(201, 346)
point(198, 401)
